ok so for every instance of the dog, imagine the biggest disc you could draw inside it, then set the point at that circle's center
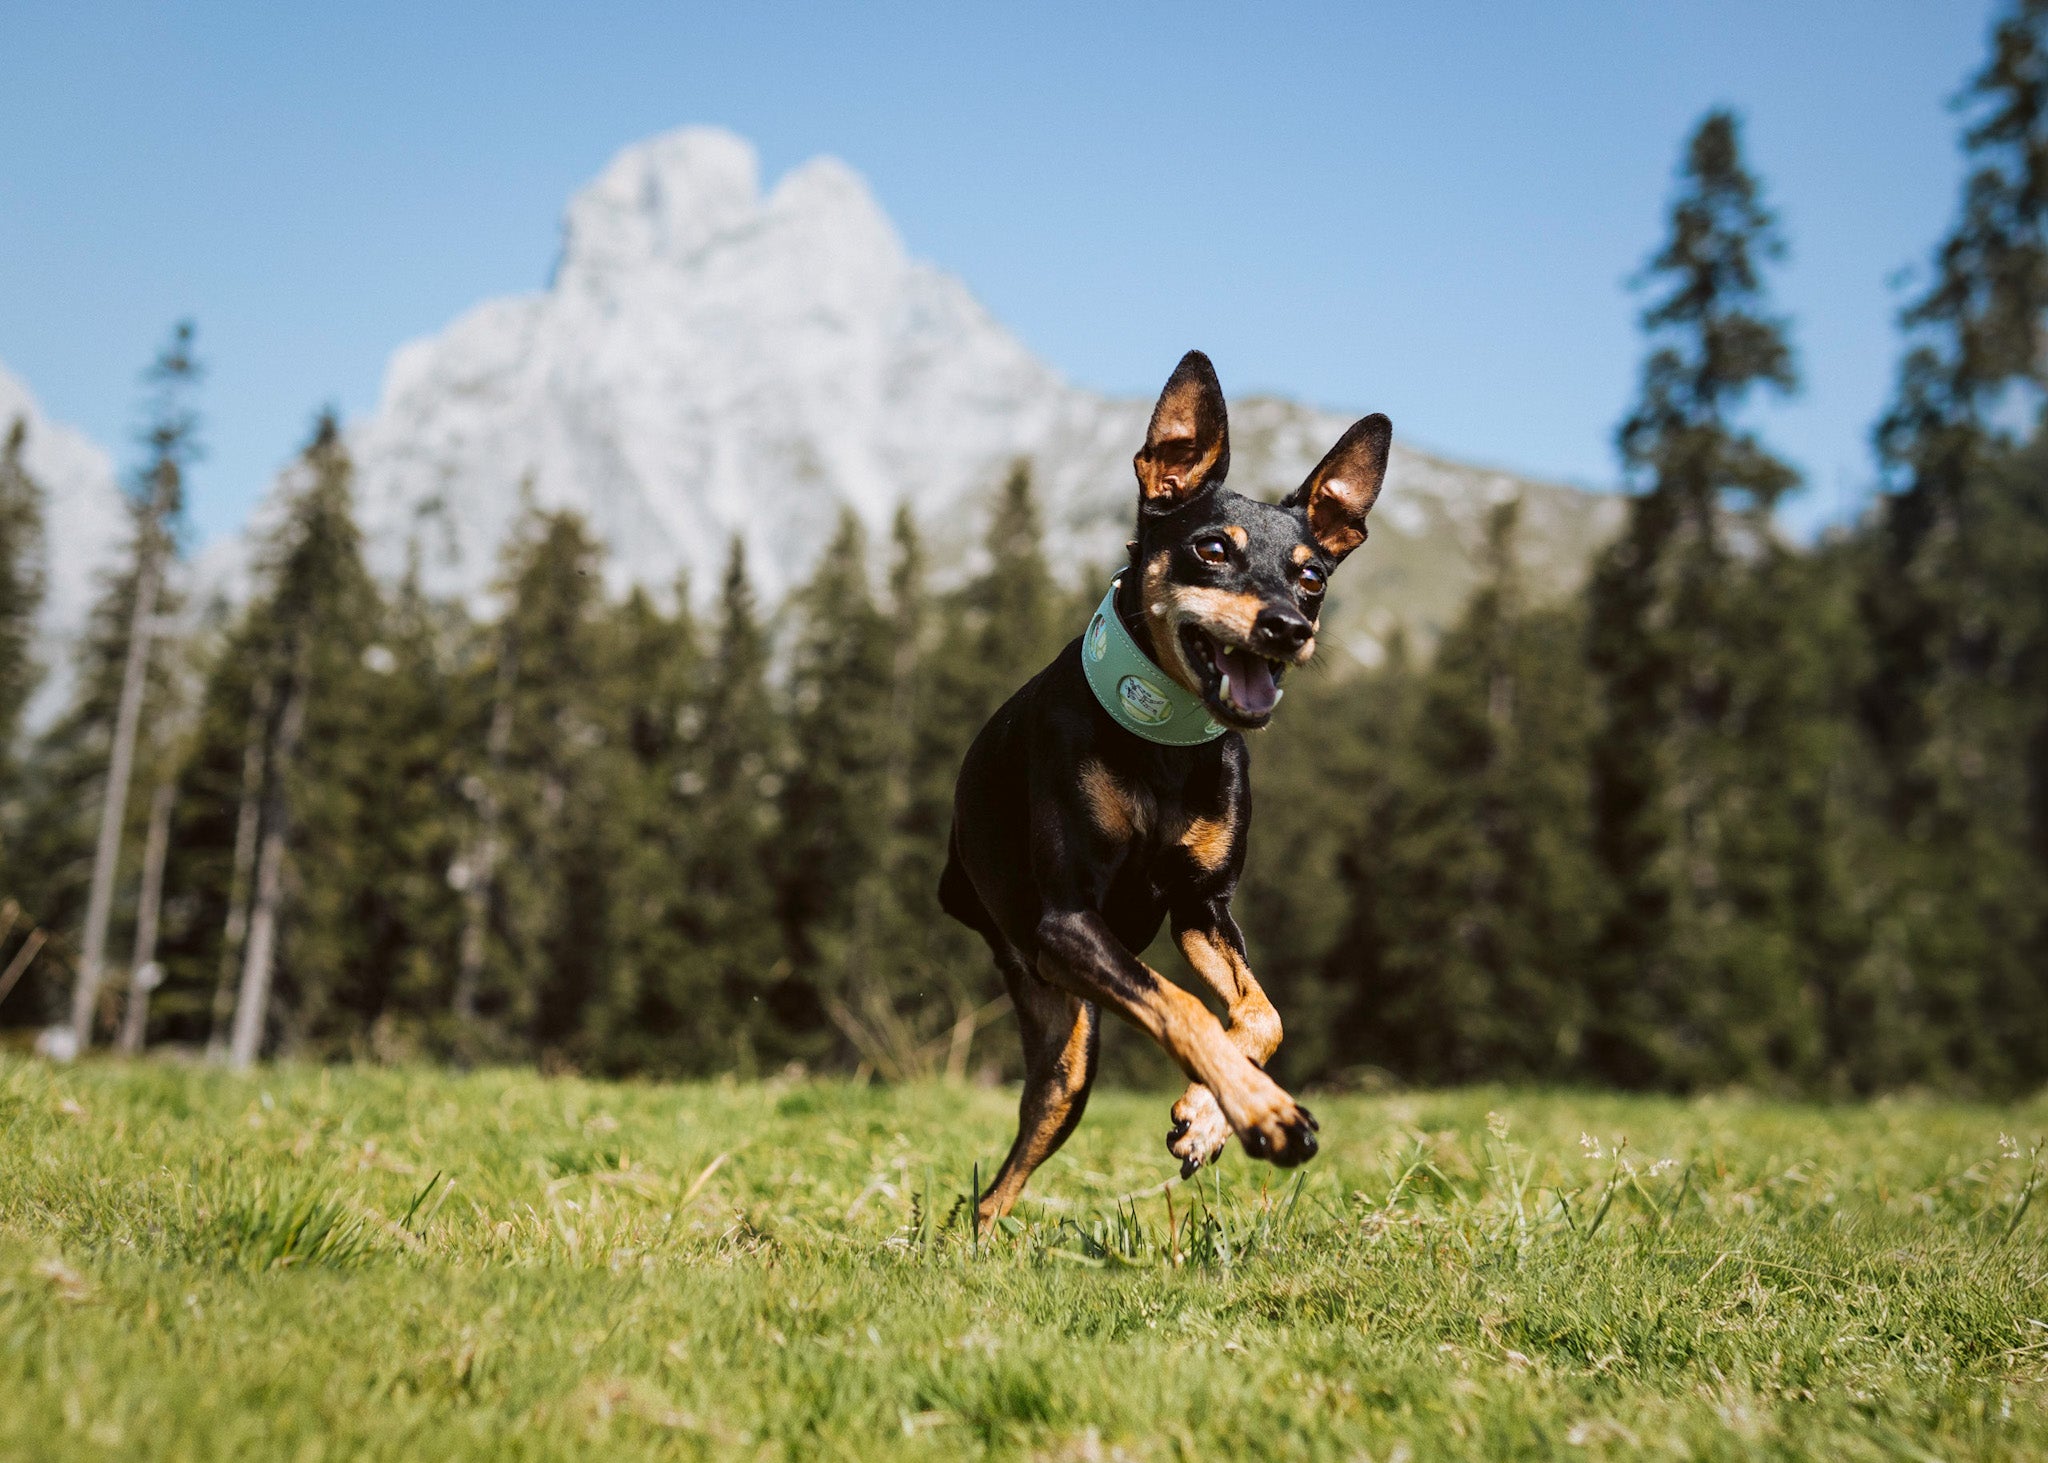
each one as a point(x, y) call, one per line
point(1112, 792)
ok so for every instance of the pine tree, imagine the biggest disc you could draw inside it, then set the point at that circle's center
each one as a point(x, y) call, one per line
point(553, 744)
point(1003, 625)
point(919, 805)
point(1954, 604)
point(996, 632)
point(647, 1019)
point(476, 872)
point(64, 784)
point(934, 970)
point(1485, 876)
point(834, 800)
point(744, 997)
point(21, 595)
point(171, 441)
point(1813, 793)
point(409, 830)
point(144, 974)
point(1680, 993)
point(212, 855)
point(1328, 784)
point(308, 634)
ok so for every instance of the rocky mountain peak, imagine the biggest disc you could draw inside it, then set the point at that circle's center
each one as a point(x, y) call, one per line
point(712, 362)
point(661, 201)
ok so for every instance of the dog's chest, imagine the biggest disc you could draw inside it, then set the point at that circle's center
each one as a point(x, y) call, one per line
point(1164, 833)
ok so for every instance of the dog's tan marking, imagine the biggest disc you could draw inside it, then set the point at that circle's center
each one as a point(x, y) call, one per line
point(1208, 841)
point(1237, 535)
point(1254, 1024)
point(1048, 1102)
point(1116, 812)
point(1155, 586)
point(1254, 1030)
point(1171, 1017)
point(1251, 1101)
point(1158, 597)
point(1303, 553)
point(1226, 615)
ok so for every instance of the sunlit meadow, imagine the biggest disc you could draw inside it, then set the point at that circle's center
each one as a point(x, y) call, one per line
point(364, 1263)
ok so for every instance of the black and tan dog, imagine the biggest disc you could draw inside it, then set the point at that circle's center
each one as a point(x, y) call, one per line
point(1111, 792)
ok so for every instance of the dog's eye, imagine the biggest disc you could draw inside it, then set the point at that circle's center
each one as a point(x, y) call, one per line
point(1212, 549)
point(1313, 579)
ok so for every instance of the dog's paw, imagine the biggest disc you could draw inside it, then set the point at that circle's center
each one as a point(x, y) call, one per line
point(1199, 1130)
point(1276, 1128)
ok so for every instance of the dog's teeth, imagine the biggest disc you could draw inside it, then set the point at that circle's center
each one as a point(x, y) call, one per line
point(1223, 691)
point(1277, 694)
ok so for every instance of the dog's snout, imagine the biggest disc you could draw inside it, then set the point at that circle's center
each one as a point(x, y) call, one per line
point(1280, 631)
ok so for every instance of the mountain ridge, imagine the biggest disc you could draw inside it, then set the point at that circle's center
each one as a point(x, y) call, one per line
point(711, 359)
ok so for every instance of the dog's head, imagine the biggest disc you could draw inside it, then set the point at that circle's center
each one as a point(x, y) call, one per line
point(1230, 588)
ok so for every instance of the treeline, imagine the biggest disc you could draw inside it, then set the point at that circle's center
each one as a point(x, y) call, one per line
point(1738, 812)
point(591, 832)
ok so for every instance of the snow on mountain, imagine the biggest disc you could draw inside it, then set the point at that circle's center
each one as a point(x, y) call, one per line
point(85, 523)
point(712, 360)
point(707, 360)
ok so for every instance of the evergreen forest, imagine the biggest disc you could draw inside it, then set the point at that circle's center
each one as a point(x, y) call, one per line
point(1741, 811)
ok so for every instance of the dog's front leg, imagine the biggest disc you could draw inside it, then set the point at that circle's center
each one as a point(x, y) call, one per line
point(1077, 951)
point(1209, 939)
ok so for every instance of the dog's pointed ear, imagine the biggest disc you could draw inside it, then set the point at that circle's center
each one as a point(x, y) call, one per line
point(1187, 447)
point(1345, 484)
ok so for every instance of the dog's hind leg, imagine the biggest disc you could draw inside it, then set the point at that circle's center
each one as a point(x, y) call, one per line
point(1061, 1035)
point(1060, 1040)
point(1209, 939)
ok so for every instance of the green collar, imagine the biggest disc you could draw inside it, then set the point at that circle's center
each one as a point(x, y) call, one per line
point(1141, 697)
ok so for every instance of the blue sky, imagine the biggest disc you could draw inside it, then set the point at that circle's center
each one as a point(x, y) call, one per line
point(1428, 209)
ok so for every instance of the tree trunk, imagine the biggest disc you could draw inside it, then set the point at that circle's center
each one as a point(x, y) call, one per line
point(252, 1003)
point(144, 973)
point(247, 818)
point(106, 858)
point(483, 858)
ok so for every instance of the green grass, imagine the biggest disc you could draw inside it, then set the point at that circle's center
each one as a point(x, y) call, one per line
point(401, 1264)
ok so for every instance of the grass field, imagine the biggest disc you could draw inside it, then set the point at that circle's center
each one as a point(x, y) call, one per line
point(366, 1263)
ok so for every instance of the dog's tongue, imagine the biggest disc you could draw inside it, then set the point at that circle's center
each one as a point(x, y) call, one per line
point(1252, 687)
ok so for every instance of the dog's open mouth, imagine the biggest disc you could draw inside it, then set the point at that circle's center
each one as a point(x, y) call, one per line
point(1241, 686)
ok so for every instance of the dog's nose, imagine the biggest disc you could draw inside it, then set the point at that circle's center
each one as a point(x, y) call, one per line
point(1280, 631)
